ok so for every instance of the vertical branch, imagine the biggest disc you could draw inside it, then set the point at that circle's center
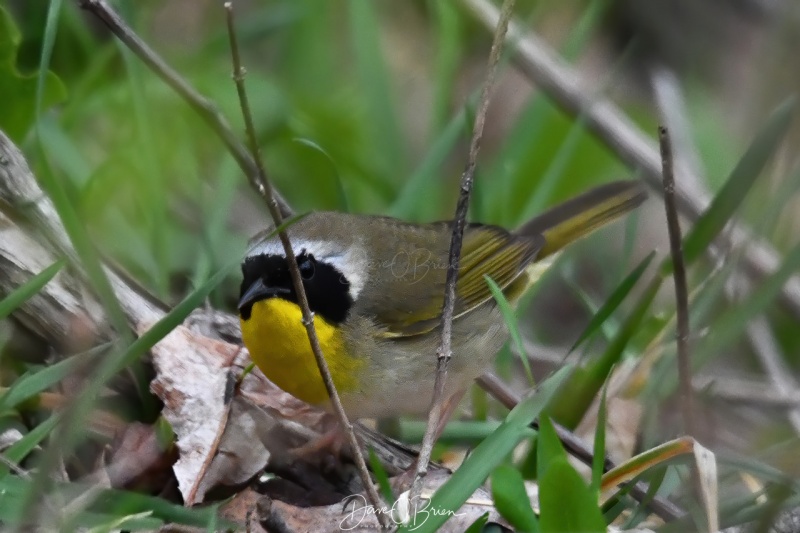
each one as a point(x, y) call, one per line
point(681, 291)
point(681, 297)
point(668, 94)
point(264, 188)
point(445, 349)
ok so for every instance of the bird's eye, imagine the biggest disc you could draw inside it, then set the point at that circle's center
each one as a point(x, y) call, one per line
point(306, 264)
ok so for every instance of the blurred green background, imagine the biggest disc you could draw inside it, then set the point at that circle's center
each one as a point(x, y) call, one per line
point(367, 106)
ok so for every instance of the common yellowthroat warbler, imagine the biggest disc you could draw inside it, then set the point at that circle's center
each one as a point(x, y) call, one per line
point(376, 286)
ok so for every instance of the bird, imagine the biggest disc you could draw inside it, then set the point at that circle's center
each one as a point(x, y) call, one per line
point(376, 287)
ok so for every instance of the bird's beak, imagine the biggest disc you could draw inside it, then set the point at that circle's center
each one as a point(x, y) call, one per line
point(259, 291)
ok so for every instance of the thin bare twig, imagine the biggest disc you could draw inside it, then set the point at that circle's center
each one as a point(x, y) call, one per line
point(445, 349)
point(572, 443)
point(681, 294)
point(764, 394)
point(202, 106)
point(662, 507)
point(679, 276)
point(611, 126)
point(264, 187)
point(14, 467)
point(668, 95)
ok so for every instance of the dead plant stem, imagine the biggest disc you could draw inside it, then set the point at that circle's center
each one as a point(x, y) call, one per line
point(264, 188)
point(445, 349)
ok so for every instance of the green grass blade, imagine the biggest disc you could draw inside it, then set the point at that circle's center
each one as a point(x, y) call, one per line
point(64, 151)
point(131, 522)
point(477, 525)
point(739, 183)
point(17, 89)
point(614, 301)
point(574, 400)
point(487, 455)
point(20, 295)
point(513, 327)
point(48, 41)
point(641, 512)
point(20, 449)
point(548, 446)
point(341, 201)
point(784, 194)
point(376, 87)
point(631, 229)
point(675, 450)
point(108, 367)
point(759, 469)
point(448, 29)
point(555, 171)
point(407, 204)
point(607, 329)
point(151, 176)
point(613, 509)
point(113, 502)
point(381, 476)
point(531, 128)
point(281, 227)
point(32, 383)
point(599, 449)
point(567, 505)
point(511, 500)
point(58, 194)
point(118, 502)
point(216, 235)
point(526, 132)
point(456, 431)
point(590, 18)
point(730, 326)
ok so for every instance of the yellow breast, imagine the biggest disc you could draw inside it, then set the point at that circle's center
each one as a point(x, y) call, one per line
point(278, 344)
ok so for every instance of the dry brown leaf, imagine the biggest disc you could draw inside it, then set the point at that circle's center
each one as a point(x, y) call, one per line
point(224, 430)
point(196, 382)
point(243, 509)
point(139, 459)
point(242, 451)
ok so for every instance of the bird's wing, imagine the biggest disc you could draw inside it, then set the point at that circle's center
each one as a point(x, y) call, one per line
point(486, 251)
